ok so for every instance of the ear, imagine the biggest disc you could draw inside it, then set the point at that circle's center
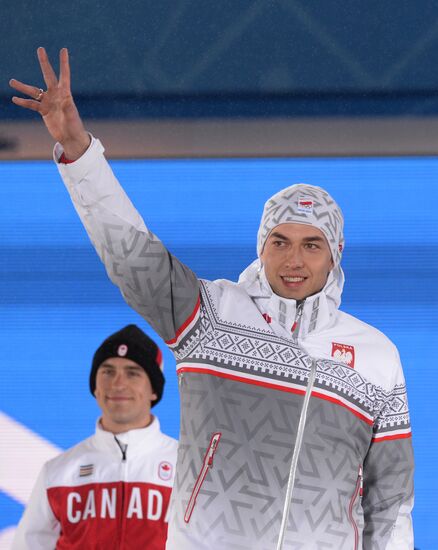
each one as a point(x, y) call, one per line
point(154, 397)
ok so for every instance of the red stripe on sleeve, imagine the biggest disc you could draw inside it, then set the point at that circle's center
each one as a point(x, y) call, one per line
point(391, 437)
point(186, 323)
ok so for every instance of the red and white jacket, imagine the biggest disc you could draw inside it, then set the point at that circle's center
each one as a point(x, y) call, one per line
point(106, 492)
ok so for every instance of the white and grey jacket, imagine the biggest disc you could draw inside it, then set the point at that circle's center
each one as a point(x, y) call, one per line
point(288, 439)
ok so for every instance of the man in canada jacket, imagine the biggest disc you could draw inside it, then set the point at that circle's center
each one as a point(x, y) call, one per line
point(113, 489)
point(295, 428)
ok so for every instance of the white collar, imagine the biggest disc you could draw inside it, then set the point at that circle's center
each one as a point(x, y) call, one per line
point(318, 311)
point(140, 440)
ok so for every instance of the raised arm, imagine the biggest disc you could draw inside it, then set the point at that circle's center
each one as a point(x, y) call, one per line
point(159, 287)
point(153, 282)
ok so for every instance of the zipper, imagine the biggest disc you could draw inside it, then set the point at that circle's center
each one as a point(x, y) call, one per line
point(123, 449)
point(180, 380)
point(207, 463)
point(358, 491)
point(297, 449)
point(296, 324)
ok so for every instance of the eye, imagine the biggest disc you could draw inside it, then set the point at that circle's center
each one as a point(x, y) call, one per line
point(106, 372)
point(134, 373)
point(278, 244)
point(311, 246)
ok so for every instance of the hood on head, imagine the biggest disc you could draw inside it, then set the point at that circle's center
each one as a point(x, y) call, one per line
point(305, 204)
point(310, 205)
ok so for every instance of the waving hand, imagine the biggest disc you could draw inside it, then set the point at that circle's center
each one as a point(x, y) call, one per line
point(55, 105)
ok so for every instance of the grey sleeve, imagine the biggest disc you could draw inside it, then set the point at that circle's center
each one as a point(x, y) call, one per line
point(157, 285)
point(388, 485)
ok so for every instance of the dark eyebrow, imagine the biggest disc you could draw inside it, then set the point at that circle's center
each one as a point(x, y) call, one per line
point(107, 365)
point(315, 238)
point(277, 235)
point(110, 366)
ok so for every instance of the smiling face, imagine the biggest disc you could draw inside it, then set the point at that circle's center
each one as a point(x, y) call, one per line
point(124, 393)
point(297, 260)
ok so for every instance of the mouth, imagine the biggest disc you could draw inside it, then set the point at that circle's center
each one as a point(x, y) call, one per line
point(118, 398)
point(293, 282)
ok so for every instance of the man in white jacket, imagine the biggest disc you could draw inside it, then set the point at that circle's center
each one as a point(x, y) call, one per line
point(295, 428)
point(112, 490)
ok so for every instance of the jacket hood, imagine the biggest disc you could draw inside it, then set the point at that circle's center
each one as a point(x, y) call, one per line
point(308, 205)
point(319, 310)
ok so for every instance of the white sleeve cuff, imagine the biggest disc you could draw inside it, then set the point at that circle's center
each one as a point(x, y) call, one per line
point(79, 168)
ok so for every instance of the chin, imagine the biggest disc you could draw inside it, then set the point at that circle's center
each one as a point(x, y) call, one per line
point(290, 295)
point(295, 297)
point(119, 420)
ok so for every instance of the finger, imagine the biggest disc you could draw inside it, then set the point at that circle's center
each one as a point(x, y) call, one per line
point(47, 69)
point(26, 89)
point(27, 103)
point(64, 69)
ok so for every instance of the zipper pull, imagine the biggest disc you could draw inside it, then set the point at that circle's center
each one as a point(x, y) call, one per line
point(123, 448)
point(360, 481)
point(298, 314)
point(212, 449)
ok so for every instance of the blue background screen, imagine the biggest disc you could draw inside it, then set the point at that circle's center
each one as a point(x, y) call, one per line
point(57, 303)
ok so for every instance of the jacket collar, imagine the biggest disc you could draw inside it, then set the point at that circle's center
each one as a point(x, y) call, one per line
point(136, 441)
point(314, 314)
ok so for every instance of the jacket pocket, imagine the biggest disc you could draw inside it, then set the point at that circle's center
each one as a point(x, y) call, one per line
point(206, 464)
point(357, 493)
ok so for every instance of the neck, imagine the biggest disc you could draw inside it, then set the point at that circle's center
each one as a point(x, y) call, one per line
point(118, 428)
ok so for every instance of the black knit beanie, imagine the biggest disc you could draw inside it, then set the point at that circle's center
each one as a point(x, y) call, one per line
point(132, 343)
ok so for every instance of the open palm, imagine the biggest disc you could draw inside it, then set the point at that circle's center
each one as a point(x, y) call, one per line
point(56, 105)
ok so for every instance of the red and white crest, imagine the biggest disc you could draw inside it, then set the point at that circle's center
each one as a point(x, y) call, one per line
point(122, 350)
point(165, 471)
point(343, 353)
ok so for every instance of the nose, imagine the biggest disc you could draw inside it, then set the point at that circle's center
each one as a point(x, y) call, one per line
point(294, 257)
point(119, 380)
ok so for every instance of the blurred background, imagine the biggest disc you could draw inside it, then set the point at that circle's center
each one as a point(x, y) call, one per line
point(206, 109)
